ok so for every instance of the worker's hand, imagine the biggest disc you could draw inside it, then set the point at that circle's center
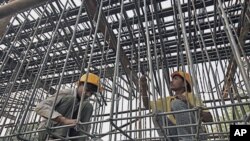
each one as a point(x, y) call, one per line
point(181, 97)
point(65, 121)
point(206, 117)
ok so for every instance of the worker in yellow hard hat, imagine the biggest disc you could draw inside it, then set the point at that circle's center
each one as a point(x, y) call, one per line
point(67, 107)
point(183, 99)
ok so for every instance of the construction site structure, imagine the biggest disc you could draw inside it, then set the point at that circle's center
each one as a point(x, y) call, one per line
point(46, 46)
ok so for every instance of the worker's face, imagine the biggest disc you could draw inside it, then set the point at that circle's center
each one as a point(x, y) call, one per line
point(87, 92)
point(177, 83)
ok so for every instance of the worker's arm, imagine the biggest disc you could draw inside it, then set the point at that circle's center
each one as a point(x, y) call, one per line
point(65, 121)
point(143, 91)
point(44, 109)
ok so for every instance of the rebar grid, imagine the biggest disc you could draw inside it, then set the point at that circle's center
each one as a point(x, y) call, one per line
point(48, 47)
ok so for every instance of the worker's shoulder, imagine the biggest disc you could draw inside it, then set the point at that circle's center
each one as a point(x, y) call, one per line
point(189, 94)
point(167, 98)
point(65, 92)
point(69, 91)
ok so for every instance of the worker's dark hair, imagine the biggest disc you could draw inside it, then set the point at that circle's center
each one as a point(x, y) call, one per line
point(90, 86)
point(189, 89)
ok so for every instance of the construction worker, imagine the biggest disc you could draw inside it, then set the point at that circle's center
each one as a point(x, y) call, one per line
point(67, 107)
point(183, 99)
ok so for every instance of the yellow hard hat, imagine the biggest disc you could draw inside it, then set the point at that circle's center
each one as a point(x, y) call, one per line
point(184, 75)
point(92, 79)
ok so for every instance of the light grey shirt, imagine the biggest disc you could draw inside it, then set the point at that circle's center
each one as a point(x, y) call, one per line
point(44, 108)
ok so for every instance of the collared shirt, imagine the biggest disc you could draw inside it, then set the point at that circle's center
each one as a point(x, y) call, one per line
point(164, 104)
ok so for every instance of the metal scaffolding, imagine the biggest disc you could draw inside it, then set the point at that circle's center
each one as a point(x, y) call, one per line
point(48, 45)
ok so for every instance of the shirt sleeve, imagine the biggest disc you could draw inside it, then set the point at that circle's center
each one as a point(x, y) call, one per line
point(162, 104)
point(153, 104)
point(44, 108)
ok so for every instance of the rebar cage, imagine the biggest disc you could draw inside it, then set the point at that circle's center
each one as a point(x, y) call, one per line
point(47, 47)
